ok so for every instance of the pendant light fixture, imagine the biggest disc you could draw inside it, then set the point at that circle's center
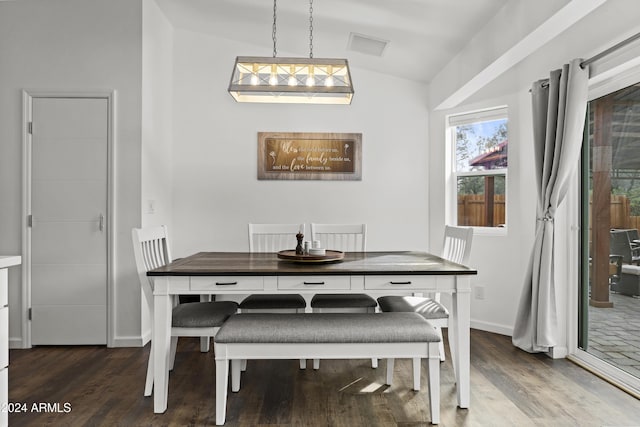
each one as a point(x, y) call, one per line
point(291, 80)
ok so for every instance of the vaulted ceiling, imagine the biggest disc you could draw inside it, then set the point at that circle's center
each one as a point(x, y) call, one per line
point(471, 41)
point(423, 35)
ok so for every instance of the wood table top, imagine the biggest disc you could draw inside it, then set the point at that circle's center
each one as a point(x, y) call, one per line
point(268, 264)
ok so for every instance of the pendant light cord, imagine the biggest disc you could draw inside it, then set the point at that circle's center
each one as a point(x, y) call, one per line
point(273, 35)
point(310, 28)
point(275, 51)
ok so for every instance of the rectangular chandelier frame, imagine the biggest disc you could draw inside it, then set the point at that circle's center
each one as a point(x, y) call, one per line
point(291, 80)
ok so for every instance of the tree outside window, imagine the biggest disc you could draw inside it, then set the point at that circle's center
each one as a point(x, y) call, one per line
point(480, 156)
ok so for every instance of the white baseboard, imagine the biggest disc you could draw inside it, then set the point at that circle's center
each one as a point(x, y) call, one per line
point(15, 343)
point(141, 341)
point(492, 327)
point(558, 352)
point(133, 341)
point(146, 337)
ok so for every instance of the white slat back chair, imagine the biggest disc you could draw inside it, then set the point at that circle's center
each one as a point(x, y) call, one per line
point(273, 238)
point(151, 250)
point(457, 244)
point(456, 248)
point(341, 237)
point(345, 238)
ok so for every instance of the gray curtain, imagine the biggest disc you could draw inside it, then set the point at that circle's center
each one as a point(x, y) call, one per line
point(559, 109)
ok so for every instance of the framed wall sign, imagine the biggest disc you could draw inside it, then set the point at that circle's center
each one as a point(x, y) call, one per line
point(300, 155)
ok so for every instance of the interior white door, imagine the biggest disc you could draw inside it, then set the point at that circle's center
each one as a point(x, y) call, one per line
point(69, 205)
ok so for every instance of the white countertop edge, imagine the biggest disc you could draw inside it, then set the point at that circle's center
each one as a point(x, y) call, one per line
point(11, 260)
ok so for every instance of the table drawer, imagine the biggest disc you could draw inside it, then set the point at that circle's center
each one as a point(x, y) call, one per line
point(400, 282)
point(227, 283)
point(307, 283)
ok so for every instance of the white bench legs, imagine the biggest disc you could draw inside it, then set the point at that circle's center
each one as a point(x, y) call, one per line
point(235, 352)
point(433, 362)
point(325, 336)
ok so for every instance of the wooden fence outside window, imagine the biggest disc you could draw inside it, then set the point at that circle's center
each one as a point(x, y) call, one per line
point(472, 211)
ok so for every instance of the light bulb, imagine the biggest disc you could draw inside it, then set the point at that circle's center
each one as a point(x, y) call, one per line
point(273, 80)
point(292, 76)
point(310, 80)
point(254, 75)
point(329, 80)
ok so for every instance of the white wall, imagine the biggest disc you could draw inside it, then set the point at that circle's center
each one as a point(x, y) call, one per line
point(157, 125)
point(73, 45)
point(500, 257)
point(211, 154)
point(157, 115)
point(216, 190)
point(502, 260)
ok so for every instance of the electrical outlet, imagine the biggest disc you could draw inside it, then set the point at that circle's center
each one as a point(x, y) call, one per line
point(479, 292)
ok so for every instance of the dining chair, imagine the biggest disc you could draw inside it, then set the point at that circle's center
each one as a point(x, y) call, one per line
point(273, 238)
point(345, 238)
point(193, 319)
point(457, 248)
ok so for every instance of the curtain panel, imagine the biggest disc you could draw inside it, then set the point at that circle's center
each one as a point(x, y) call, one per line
point(559, 109)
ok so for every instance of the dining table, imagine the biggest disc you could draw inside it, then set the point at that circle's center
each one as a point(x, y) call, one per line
point(374, 273)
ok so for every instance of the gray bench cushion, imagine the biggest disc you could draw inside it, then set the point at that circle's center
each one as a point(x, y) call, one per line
point(202, 314)
point(274, 301)
point(342, 301)
point(326, 328)
point(426, 307)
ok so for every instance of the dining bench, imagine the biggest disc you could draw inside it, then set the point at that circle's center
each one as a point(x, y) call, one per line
point(326, 336)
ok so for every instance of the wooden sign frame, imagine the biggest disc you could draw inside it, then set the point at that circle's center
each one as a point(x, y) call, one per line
point(310, 156)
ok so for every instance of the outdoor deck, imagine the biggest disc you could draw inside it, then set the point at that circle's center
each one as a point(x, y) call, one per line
point(614, 333)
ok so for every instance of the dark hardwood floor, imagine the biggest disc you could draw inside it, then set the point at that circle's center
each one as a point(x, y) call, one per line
point(103, 387)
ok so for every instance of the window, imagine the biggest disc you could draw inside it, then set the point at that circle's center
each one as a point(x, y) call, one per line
point(479, 146)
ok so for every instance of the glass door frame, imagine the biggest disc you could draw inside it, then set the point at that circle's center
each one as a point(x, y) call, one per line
point(578, 295)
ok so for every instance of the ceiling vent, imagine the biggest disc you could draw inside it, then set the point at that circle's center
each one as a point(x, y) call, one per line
point(367, 44)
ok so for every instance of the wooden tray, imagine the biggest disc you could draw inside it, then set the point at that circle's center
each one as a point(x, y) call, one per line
point(330, 256)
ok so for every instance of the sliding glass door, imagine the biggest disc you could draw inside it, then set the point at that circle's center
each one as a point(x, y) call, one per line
point(610, 303)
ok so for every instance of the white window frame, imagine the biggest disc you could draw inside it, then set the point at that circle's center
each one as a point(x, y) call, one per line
point(459, 119)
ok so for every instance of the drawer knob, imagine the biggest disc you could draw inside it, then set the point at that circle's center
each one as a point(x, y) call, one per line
point(313, 283)
point(226, 283)
point(408, 282)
